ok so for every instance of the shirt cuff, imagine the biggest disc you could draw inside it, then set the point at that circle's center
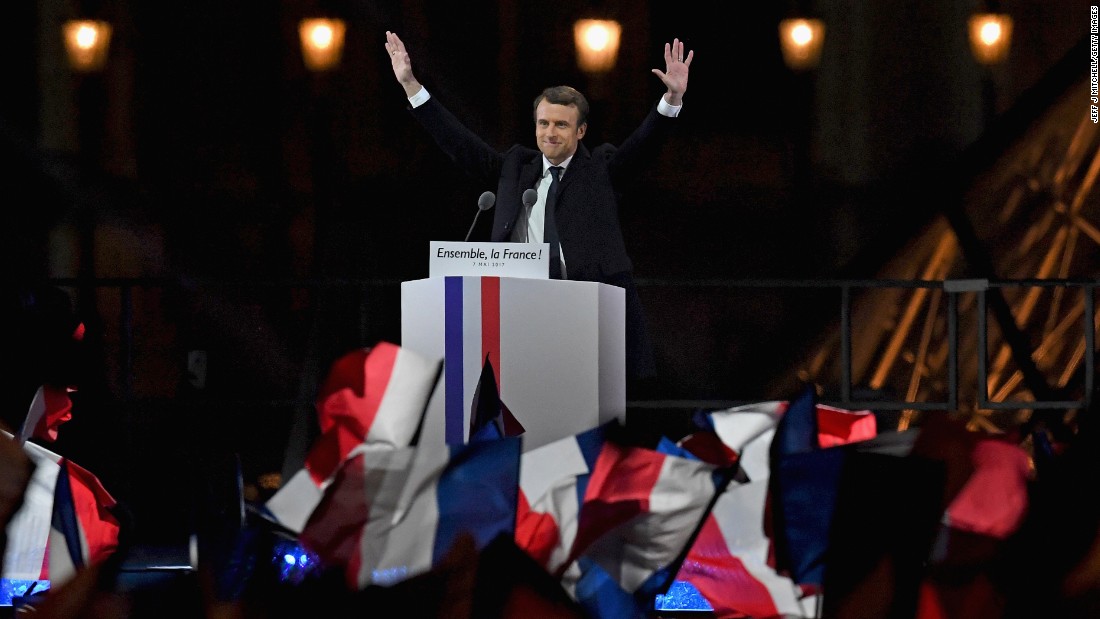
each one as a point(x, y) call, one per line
point(663, 107)
point(422, 95)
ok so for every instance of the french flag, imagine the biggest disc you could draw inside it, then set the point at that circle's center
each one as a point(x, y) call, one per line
point(610, 520)
point(83, 531)
point(731, 562)
point(50, 408)
point(389, 515)
point(807, 460)
point(25, 556)
point(65, 523)
point(989, 507)
point(994, 500)
point(373, 396)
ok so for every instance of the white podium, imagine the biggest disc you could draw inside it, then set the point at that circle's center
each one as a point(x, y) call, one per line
point(557, 347)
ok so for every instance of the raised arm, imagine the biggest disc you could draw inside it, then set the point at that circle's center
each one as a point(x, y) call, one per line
point(675, 75)
point(402, 64)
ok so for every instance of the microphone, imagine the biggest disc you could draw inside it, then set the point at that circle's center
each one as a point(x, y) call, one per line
point(530, 196)
point(484, 202)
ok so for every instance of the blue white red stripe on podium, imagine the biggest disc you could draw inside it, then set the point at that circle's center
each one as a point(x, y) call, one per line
point(472, 316)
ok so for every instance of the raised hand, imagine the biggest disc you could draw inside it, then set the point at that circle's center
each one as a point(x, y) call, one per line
point(401, 63)
point(675, 75)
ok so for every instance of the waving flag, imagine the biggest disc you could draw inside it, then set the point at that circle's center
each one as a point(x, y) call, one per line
point(489, 417)
point(729, 561)
point(392, 514)
point(803, 491)
point(837, 510)
point(994, 500)
point(732, 563)
point(375, 397)
point(805, 478)
point(986, 503)
point(83, 529)
point(65, 522)
point(612, 521)
point(29, 529)
point(50, 408)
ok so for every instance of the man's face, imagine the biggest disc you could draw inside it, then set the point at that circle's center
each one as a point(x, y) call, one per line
point(557, 131)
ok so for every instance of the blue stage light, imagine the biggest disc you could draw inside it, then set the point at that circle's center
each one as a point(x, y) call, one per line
point(682, 596)
point(12, 590)
point(294, 562)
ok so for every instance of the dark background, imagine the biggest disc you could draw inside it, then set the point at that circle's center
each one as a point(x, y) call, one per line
point(208, 160)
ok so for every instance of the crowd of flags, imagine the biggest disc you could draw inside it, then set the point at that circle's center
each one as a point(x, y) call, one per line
point(743, 510)
point(67, 519)
point(748, 510)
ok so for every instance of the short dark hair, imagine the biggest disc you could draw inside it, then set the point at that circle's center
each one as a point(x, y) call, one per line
point(564, 95)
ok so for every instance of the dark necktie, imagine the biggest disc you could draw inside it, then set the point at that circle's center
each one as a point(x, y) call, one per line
point(550, 229)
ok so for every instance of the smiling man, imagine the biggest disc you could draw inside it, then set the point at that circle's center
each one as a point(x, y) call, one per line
point(581, 186)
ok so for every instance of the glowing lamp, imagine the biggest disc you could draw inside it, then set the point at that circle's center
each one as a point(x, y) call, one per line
point(597, 43)
point(990, 36)
point(322, 41)
point(86, 43)
point(800, 40)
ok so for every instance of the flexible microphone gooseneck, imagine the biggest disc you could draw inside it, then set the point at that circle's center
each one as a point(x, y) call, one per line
point(484, 202)
point(530, 196)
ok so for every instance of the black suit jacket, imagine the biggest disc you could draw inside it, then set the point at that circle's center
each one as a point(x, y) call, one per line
point(587, 212)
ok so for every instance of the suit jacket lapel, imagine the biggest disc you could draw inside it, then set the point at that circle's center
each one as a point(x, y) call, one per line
point(581, 160)
point(530, 174)
point(513, 207)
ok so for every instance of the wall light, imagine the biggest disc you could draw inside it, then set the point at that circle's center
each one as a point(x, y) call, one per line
point(801, 39)
point(322, 42)
point(597, 43)
point(86, 43)
point(990, 37)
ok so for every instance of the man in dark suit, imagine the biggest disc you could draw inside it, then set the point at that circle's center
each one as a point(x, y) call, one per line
point(582, 224)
